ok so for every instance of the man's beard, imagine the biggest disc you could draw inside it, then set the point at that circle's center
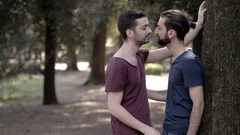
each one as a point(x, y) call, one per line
point(164, 41)
point(144, 41)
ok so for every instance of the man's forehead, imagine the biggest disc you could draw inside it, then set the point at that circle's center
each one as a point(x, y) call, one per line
point(142, 21)
point(161, 21)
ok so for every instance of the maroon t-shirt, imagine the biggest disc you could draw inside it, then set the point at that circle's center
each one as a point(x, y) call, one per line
point(122, 76)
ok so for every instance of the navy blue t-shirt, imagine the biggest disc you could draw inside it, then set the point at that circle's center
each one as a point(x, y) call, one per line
point(186, 71)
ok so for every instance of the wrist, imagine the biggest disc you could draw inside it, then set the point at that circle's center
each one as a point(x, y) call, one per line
point(199, 25)
point(143, 128)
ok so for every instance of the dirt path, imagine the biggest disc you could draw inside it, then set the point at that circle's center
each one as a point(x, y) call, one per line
point(82, 111)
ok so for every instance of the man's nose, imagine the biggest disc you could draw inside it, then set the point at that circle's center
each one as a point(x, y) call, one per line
point(155, 31)
point(150, 30)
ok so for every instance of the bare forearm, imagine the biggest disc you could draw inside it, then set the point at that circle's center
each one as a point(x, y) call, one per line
point(195, 119)
point(157, 95)
point(158, 55)
point(124, 116)
point(192, 34)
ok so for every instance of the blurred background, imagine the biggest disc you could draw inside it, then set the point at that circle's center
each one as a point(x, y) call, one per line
point(56, 51)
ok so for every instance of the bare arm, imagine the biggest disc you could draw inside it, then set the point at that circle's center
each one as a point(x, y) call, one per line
point(158, 55)
point(163, 53)
point(157, 95)
point(196, 94)
point(117, 110)
point(192, 34)
point(199, 24)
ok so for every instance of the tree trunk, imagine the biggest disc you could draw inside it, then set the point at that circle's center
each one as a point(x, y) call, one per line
point(97, 75)
point(49, 96)
point(197, 42)
point(221, 56)
point(72, 59)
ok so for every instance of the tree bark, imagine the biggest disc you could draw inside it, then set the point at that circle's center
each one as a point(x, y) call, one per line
point(49, 96)
point(72, 59)
point(221, 57)
point(97, 75)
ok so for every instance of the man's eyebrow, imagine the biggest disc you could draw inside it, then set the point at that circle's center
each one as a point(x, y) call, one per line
point(145, 25)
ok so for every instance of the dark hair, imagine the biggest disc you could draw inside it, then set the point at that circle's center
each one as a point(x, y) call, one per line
point(176, 20)
point(127, 20)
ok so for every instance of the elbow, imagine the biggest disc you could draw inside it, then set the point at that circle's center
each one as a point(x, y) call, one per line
point(112, 108)
point(198, 106)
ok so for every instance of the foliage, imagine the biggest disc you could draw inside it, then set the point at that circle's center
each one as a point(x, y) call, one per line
point(21, 88)
point(154, 68)
point(20, 34)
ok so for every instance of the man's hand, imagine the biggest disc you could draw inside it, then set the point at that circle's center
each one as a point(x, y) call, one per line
point(150, 131)
point(201, 12)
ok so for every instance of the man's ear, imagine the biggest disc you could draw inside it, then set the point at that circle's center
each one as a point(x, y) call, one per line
point(129, 33)
point(171, 33)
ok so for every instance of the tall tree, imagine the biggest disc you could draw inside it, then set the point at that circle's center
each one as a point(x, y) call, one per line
point(50, 48)
point(101, 11)
point(221, 56)
point(71, 28)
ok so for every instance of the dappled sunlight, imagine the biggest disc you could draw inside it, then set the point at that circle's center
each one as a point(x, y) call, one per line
point(12, 96)
point(81, 109)
point(96, 90)
point(104, 120)
point(94, 94)
point(60, 66)
point(82, 66)
point(67, 114)
point(82, 126)
point(76, 126)
point(95, 111)
point(156, 82)
point(82, 104)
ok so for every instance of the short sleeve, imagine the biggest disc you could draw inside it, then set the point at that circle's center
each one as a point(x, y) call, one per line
point(115, 77)
point(143, 54)
point(192, 73)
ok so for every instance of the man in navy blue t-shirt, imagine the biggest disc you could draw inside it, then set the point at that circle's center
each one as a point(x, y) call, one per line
point(184, 98)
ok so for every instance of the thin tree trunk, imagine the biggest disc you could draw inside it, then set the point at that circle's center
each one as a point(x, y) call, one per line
point(97, 75)
point(221, 56)
point(49, 96)
point(72, 59)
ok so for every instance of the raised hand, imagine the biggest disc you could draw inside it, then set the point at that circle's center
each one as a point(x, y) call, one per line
point(201, 12)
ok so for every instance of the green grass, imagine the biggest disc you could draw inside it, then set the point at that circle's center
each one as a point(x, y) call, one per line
point(22, 88)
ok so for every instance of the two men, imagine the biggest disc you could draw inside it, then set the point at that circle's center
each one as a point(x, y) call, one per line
point(125, 76)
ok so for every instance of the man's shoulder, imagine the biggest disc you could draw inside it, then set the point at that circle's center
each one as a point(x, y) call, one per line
point(116, 62)
point(190, 56)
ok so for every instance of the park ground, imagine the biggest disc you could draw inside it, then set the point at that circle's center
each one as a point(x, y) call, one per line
point(82, 110)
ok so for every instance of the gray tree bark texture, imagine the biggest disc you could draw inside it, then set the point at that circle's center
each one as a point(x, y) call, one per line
point(221, 58)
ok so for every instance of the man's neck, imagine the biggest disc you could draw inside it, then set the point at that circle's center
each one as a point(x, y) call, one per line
point(128, 49)
point(177, 48)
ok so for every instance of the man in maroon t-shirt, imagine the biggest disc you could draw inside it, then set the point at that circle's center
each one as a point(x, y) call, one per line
point(125, 76)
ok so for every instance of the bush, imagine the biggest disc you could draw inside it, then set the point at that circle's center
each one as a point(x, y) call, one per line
point(154, 69)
